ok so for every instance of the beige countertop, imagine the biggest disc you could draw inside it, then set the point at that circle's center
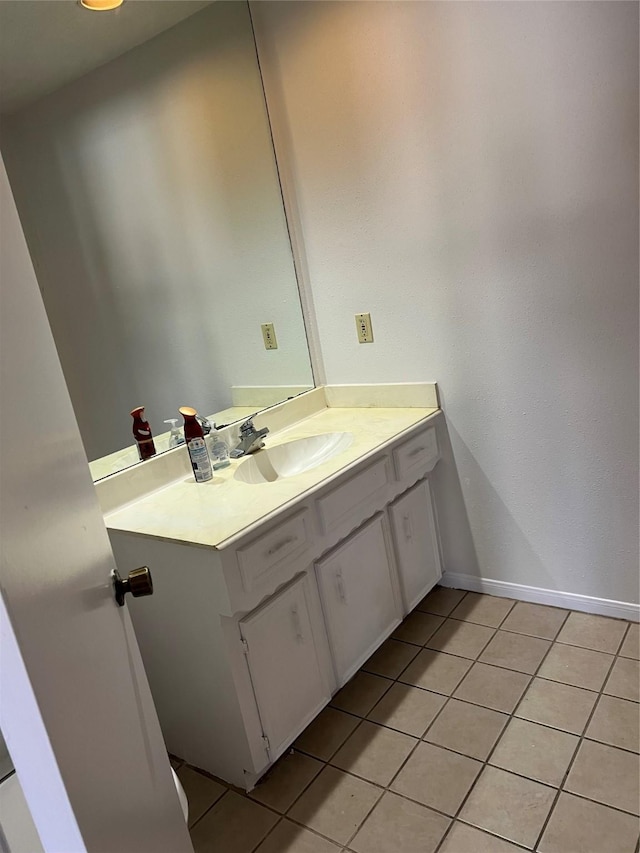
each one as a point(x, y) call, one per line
point(213, 513)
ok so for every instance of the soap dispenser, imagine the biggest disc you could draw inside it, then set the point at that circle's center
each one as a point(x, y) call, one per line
point(194, 438)
point(176, 438)
point(218, 450)
point(142, 434)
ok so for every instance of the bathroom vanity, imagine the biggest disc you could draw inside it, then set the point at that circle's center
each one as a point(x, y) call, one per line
point(269, 594)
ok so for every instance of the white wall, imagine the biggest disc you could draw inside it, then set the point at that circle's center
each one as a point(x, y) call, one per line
point(149, 196)
point(468, 173)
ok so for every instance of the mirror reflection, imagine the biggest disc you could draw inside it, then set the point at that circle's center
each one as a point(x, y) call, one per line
point(149, 195)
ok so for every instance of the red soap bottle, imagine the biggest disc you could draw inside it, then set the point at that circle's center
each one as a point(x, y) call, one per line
point(142, 434)
point(194, 438)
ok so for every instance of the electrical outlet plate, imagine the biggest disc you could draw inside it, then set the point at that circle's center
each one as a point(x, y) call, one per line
point(269, 336)
point(363, 325)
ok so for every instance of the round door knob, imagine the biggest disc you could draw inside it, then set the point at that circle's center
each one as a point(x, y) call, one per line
point(138, 583)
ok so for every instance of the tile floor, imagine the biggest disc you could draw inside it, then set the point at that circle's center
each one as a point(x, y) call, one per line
point(482, 726)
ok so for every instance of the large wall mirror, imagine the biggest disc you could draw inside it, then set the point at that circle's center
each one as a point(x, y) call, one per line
point(149, 196)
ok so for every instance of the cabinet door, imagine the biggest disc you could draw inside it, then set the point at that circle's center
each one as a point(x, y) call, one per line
point(414, 533)
point(284, 665)
point(359, 596)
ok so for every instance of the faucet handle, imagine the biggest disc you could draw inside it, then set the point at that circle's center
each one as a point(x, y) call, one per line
point(247, 427)
point(205, 423)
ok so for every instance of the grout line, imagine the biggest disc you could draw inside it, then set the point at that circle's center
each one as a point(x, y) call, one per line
point(598, 803)
point(206, 811)
point(271, 831)
point(421, 740)
point(486, 832)
point(408, 757)
point(499, 739)
point(561, 788)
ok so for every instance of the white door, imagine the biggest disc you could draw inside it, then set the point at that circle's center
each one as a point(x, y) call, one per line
point(417, 553)
point(359, 595)
point(284, 663)
point(75, 707)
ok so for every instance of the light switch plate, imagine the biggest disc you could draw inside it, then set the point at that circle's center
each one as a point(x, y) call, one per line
point(363, 325)
point(269, 336)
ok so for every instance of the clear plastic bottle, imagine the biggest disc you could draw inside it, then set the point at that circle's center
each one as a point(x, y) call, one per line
point(176, 438)
point(194, 438)
point(218, 450)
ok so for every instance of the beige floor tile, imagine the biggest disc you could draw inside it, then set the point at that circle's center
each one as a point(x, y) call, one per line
point(201, 791)
point(579, 667)
point(509, 806)
point(235, 825)
point(631, 646)
point(391, 658)
point(286, 781)
point(606, 774)
point(467, 728)
point(483, 609)
point(408, 709)
point(437, 777)
point(374, 752)
point(515, 651)
point(492, 687)
point(417, 627)
point(592, 632)
point(288, 837)
point(326, 734)
point(460, 638)
point(537, 620)
point(468, 839)
point(624, 681)
point(436, 671)
point(441, 600)
point(585, 827)
point(361, 693)
point(559, 705)
point(335, 804)
point(535, 751)
point(397, 824)
point(617, 722)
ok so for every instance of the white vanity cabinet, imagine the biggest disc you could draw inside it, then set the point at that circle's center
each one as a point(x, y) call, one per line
point(360, 596)
point(245, 642)
point(416, 543)
point(285, 664)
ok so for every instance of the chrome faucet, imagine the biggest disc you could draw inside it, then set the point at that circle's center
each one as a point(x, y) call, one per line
point(250, 439)
point(205, 423)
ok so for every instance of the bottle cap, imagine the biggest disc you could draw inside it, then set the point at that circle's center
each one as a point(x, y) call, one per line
point(137, 411)
point(187, 412)
point(173, 422)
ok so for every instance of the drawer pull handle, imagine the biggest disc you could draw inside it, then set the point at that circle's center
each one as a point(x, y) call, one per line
point(279, 545)
point(297, 625)
point(408, 530)
point(416, 451)
point(342, 593)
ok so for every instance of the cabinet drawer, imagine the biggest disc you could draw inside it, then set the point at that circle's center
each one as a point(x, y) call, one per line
point(352, 502)
point(417, 456)
point(274, 550)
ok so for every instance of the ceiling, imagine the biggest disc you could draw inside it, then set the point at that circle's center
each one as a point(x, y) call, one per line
point(45, 44)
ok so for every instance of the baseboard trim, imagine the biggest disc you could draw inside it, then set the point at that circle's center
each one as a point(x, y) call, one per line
point(538, 595)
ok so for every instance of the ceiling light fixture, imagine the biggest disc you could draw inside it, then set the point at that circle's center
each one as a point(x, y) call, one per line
point(101, 5)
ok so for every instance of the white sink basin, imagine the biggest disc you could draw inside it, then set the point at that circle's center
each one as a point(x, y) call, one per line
point(292, 457)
